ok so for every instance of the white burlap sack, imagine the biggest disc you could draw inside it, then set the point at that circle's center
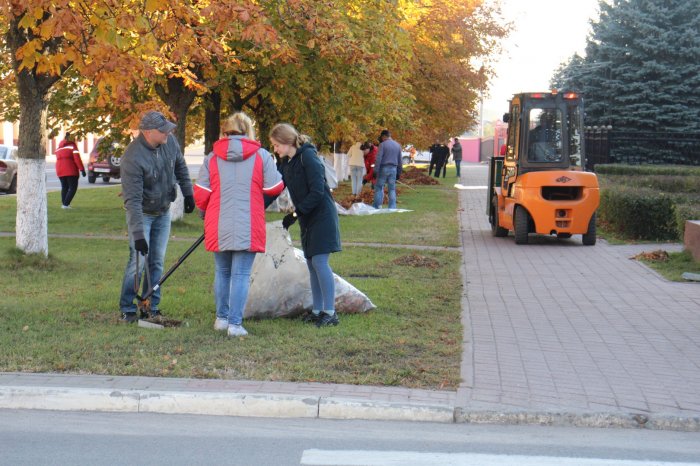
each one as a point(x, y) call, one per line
point(280, 282)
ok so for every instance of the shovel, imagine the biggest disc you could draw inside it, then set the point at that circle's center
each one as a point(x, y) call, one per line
point(147, 320)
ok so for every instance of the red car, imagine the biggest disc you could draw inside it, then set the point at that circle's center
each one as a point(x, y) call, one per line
point(103, 162)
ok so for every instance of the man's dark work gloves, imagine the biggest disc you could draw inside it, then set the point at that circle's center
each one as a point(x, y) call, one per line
point(82, 172)
point(189, 204)
point(141, 246)
point(288, 221)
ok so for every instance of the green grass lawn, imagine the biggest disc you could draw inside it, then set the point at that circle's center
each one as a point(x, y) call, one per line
point(60, 314)
point(675, 266)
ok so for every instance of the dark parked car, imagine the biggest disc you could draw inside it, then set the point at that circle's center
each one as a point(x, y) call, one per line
point(104, 161)
point(8, 168)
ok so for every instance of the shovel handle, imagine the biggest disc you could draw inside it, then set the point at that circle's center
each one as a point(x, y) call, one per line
point(173, 268)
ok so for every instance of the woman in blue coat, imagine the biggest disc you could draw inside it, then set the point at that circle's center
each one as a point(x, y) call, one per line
point(305, 178)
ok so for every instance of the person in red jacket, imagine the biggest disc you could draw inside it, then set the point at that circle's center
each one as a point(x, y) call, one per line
point(370, 155)
point(68, 164)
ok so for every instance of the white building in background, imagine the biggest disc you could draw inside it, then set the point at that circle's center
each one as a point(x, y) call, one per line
point(9, 134)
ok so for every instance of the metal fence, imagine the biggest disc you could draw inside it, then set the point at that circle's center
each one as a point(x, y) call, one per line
point(606, 145)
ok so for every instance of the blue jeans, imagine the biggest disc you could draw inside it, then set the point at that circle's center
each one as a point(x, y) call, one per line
point(387, 175)
point(232, 283)
point(356, 178)
point(322, 283)
point(457, 163)
point(156, 231)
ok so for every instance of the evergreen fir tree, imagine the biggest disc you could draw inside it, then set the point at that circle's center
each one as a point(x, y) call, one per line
point(641, 71)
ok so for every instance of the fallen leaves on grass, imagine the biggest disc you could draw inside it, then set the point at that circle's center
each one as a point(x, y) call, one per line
point(415, 175)
point(654, 256)
point(416, 260)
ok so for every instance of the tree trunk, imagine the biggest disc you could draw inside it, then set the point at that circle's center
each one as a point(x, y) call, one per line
point(32, 220)
point(179, 99)
point(212, 120)
point(32, 89)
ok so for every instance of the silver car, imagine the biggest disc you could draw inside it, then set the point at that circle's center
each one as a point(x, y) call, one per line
point(8, 168)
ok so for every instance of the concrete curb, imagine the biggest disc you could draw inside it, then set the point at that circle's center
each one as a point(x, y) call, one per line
point(216, 403)
point(582, 419)
point(334, 408)
point(307, 406)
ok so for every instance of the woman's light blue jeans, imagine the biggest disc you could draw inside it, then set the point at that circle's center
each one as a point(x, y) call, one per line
point(322, 283)
point(232, 283)
point(356, 179)
point(156, 231)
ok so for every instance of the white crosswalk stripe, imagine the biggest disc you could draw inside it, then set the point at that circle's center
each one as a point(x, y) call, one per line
point(406, 458)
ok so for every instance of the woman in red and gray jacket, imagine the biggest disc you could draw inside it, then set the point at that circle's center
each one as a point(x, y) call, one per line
point(229, 189)
point(68, 164)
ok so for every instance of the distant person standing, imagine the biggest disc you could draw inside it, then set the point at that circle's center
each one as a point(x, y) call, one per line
point(433, 157)
point(442, 153)
point(68, 164)
point(457, 155)
point(370, 155)
point(356, 161)
point(387, 168)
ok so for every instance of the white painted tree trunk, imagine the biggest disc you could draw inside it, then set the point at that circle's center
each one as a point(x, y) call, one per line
point(177, 207)
point(32, 234)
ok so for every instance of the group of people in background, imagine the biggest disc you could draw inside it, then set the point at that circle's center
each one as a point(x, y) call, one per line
point(440, 154)
point(237, 180)
point(382, 165)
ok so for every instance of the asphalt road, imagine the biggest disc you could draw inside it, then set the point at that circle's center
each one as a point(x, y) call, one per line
point(91, 438)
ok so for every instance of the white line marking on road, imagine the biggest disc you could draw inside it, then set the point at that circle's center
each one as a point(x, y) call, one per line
point(406, 458)
point(461, 186)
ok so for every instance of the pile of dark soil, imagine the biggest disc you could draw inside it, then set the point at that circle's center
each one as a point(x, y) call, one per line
point(416, 260)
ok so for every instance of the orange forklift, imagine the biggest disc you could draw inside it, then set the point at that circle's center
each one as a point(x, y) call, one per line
point(539, 184)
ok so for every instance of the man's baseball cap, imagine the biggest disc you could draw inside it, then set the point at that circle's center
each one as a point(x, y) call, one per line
point(156, 120)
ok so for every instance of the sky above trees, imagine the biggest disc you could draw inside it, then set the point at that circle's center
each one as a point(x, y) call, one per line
point(545, 34)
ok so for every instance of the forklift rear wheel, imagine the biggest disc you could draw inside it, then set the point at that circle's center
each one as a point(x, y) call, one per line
point(496, 229)
point(589, 238)
point(522, 221)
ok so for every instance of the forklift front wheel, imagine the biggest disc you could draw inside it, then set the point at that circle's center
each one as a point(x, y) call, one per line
point(589, 237)
point(522, 221)
point(496, 229)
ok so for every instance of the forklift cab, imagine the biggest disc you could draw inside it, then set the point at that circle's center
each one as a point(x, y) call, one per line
point(545, 132)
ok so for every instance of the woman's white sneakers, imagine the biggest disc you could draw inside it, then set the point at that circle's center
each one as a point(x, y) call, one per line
point(236, 331)
point(221, 324)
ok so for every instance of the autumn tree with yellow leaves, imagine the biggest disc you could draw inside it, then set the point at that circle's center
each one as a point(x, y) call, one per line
point(339, 70)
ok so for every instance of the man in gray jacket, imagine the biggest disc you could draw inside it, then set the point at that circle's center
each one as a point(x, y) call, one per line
point(387, 168)
point(151, 168)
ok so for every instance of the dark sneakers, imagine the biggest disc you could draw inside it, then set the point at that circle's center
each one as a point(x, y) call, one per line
point(326, 320)
point(311, 318)
point(128, 318)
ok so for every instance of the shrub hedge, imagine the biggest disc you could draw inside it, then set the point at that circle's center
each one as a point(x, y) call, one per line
point(649, 202)
point(638, 213)
point(654, 170)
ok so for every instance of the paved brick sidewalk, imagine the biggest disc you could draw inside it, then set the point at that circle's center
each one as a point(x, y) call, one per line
point(556, 326)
